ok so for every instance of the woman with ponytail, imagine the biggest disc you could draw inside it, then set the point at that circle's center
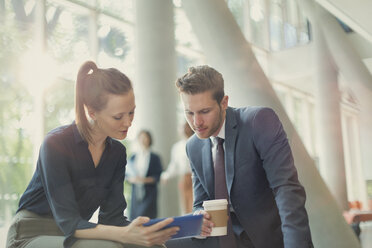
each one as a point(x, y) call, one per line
point(81, 168)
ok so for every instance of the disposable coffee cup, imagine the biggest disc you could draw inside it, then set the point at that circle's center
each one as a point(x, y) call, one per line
point(219, 216)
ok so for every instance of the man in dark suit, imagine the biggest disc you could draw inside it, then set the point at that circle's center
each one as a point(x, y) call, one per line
point(266, 200)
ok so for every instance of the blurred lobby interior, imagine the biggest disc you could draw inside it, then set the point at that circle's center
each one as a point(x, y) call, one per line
point(309, 60)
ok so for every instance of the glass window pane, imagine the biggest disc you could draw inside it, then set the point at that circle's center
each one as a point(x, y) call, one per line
point(116, 44)
point(68, 35)
point(123, 9)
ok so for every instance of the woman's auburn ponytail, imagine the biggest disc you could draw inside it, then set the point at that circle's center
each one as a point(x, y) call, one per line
point(81, 120)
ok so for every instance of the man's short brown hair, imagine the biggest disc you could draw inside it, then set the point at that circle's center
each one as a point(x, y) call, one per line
point(200, 79)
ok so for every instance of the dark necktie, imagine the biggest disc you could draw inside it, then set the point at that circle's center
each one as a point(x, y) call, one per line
point(220, 192)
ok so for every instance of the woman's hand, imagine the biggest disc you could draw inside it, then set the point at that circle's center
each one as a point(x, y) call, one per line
point(136, 233)
point(207, 223)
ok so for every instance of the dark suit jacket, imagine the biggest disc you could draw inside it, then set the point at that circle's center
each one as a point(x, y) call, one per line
point(147, 206)
point(262, 181)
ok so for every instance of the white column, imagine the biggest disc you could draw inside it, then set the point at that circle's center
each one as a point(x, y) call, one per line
point(266, 29)
point(352, 67)
point(305, 115)
point(40, 46)
point(359, 172)
point(156, 95)
point(247, 21)
point(356, 184)
point(2, 11)
point(331, 153)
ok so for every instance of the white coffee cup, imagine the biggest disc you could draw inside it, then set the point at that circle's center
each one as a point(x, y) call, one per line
point(219, 216)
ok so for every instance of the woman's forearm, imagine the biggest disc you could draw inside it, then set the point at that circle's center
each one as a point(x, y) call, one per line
point(105, 232)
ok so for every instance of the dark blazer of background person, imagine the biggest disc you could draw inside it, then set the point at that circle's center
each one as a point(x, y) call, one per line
point(262, 181)
point(147, 206)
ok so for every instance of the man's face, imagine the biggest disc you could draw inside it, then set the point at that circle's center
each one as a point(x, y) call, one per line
point(204, 115)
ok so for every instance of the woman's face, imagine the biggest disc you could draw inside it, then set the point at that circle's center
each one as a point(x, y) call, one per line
point(144, 140)
point(116, 118)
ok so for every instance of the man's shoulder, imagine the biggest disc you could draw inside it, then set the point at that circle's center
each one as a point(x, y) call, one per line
point(246, 115)
point(194, 139)
point(249, 111)
point(195, 143)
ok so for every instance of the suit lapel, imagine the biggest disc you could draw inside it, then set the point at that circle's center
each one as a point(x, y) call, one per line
point(208, 170)
point(230, 140)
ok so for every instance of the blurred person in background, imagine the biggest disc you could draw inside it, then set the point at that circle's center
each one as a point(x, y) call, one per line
point(180, 166)
point(81, 168)
point(143, 172)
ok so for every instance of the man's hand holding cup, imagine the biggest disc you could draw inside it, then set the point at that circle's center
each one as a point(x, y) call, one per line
point(215, 218)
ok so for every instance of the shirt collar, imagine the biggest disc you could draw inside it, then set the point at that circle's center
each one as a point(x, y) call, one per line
point(77, 136)
point(221, 134)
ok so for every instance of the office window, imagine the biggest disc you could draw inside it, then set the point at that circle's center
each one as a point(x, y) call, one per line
point(274, 25)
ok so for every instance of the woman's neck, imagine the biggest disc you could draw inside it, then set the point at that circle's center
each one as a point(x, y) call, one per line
point(98, 140)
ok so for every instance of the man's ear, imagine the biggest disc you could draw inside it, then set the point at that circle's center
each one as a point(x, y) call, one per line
point(225, 102)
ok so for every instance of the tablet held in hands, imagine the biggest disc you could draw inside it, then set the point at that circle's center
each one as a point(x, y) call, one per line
point(190, 225)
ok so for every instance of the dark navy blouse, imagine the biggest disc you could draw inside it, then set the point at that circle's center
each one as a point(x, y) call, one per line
point(67, 185)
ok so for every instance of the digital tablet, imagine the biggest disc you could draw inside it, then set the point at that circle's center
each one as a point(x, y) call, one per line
point(190, 225)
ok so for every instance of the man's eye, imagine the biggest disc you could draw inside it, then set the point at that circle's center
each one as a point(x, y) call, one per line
point(205, 111)
point(117, 118)
point(189, 113)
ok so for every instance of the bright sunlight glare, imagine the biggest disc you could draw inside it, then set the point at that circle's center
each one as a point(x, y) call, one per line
point(38, 70)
